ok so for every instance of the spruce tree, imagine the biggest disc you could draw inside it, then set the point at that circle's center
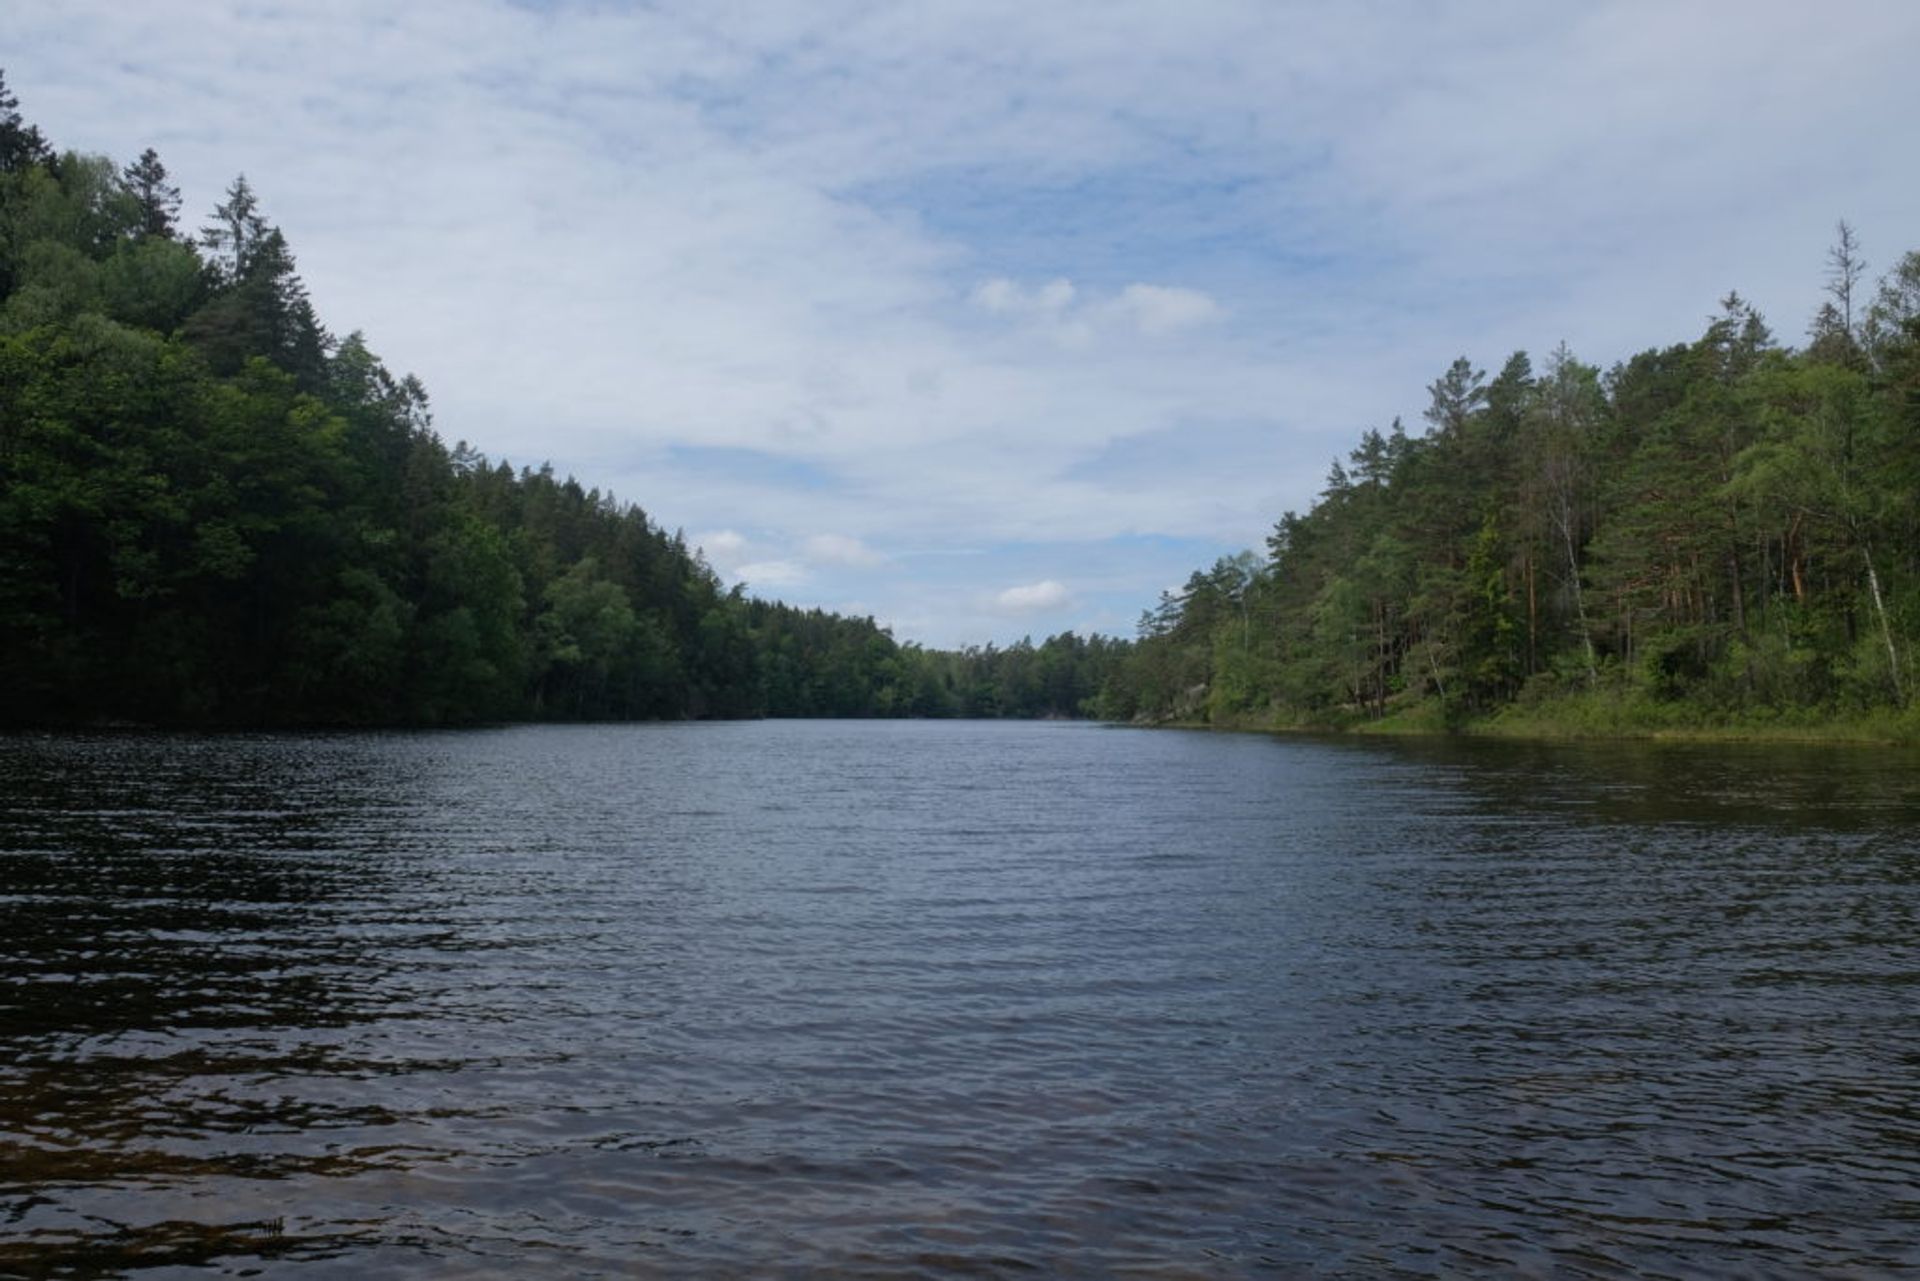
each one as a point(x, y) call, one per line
point(159, 200)
point(21, 144)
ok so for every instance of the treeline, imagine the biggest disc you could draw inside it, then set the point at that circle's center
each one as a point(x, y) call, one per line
point(214, 512)
point(1723, 531)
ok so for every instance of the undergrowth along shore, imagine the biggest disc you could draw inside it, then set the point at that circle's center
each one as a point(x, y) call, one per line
point(1603, 716)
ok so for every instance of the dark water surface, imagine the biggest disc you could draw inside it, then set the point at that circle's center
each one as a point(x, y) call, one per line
point(896, 999)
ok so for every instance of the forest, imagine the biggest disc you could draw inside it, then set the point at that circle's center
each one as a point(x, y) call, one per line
point(1723, 533)
point(213, 512)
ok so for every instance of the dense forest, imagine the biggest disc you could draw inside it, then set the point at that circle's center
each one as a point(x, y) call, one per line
point(214, 512)
point(1724, 532)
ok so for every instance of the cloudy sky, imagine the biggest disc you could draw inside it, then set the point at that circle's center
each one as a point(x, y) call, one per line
point(993, 319)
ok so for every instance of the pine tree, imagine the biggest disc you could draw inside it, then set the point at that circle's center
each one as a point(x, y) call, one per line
point(159, 200)
point(21, 144)
point(233, 238)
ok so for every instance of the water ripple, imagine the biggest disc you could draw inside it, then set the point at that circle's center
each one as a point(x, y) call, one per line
point(954, 1000)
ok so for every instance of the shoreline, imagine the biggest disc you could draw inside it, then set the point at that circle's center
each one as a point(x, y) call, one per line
point(1886, 729)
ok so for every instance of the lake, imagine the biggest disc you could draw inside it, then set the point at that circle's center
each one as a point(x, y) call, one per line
point(902, 999)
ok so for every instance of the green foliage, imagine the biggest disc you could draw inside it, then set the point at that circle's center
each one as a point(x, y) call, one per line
point(1720, 533)
point(21, 146)
point(211, 513)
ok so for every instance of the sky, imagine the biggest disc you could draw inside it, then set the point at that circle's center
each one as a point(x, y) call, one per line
point(997, 319)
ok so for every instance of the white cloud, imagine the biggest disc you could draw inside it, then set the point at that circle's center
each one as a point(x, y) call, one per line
point(924, 286)
point(768, 561)
point(724, 548)
point(1075, 319)
point(1161, 309)
point(1003, 295)
point(838, 549)
point(1033, 597)
point(769, 574)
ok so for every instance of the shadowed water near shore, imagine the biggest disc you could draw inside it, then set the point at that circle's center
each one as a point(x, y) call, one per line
point(954, 998)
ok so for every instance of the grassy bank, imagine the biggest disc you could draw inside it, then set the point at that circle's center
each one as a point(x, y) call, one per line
point(1600, 716)
point(1604, 716)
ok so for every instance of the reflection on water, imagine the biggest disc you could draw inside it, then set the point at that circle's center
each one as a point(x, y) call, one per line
point(926, 999)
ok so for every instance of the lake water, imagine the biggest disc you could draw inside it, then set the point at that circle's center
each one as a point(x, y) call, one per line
point(898, 999)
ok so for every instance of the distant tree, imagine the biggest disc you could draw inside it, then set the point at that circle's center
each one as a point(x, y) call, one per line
point(1893, 318)
point(21, 144)
point(1508, 394)
point(260, 307)
point(158, 200)
point(1736, 338)
point(1844, 269)
point(1456, 395)
point(1568, 406)
point(1828, 337)
point(234, 236)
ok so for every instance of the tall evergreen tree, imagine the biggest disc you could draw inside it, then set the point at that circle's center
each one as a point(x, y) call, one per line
point(157, 199)
point(234, 236)
point(21, 144)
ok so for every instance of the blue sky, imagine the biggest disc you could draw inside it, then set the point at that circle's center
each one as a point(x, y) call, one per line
point(993, 319)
